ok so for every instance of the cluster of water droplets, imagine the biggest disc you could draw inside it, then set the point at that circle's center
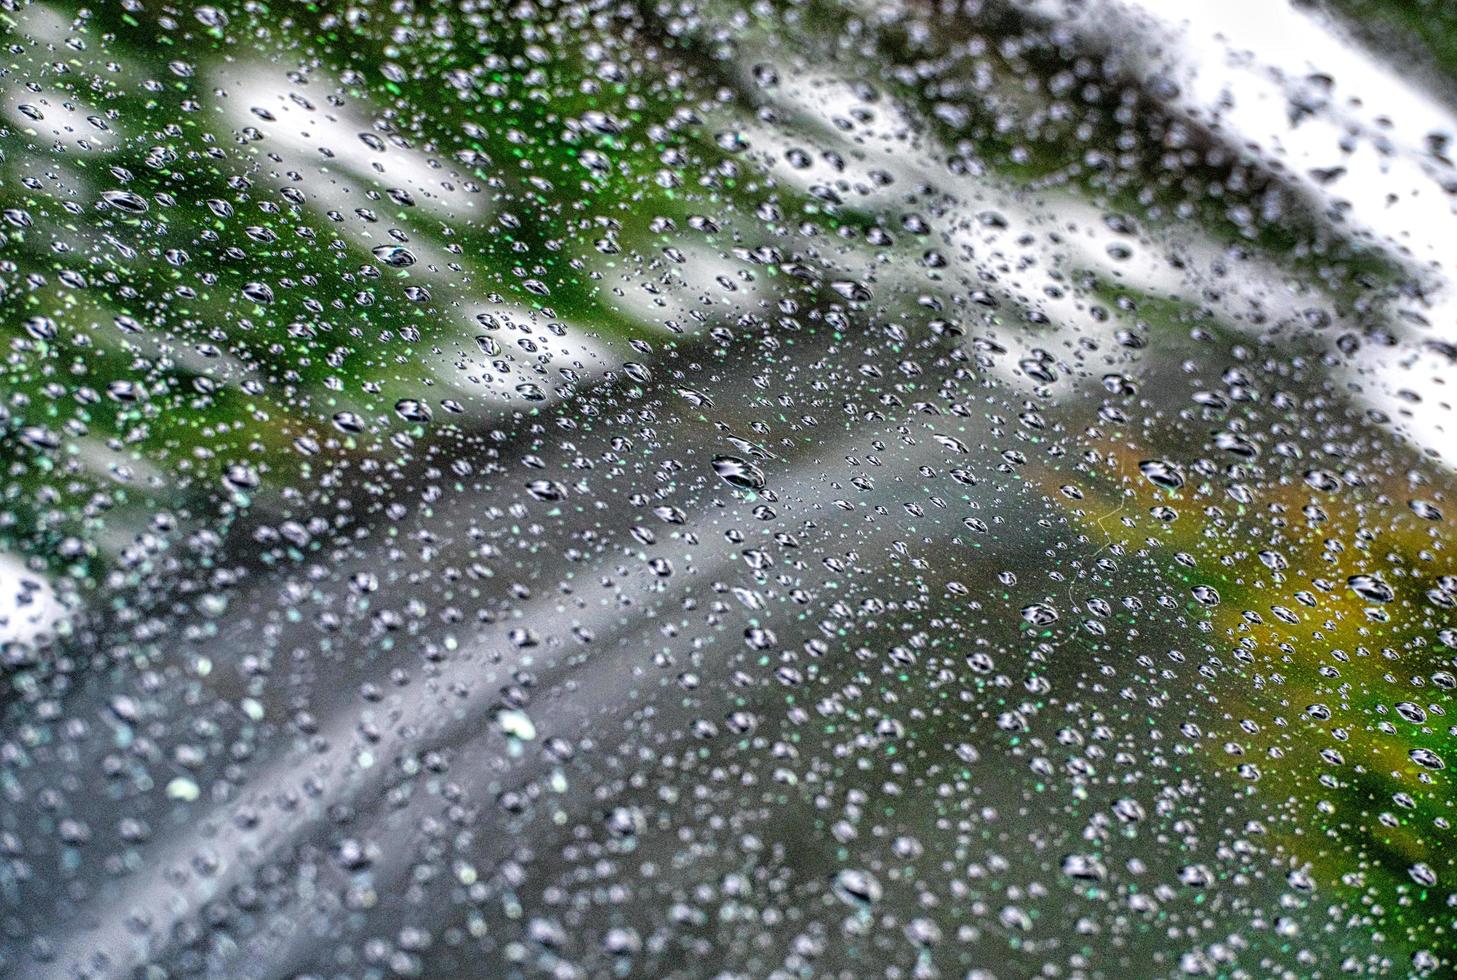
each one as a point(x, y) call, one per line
point(779, 489)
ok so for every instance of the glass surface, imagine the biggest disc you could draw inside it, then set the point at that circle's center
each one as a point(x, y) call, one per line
point(709, 488)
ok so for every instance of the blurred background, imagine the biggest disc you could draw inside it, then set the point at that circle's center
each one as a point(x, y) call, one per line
point(780, 489)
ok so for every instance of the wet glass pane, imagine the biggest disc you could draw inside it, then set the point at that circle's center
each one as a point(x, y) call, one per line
point(710, 488)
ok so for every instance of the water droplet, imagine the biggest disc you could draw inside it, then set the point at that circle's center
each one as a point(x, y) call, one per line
point(738, 472)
